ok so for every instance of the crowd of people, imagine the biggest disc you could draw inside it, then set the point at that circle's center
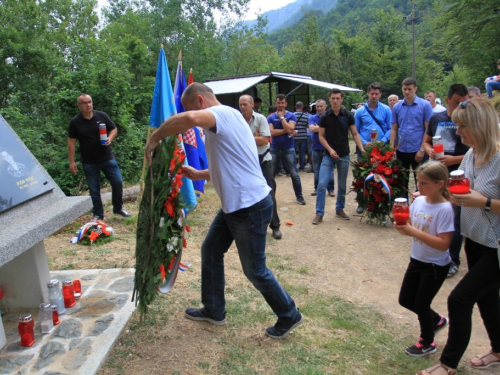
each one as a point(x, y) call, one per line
point(259, 146)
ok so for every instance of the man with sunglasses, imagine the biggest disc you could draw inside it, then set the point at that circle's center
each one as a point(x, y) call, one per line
point(454, 151)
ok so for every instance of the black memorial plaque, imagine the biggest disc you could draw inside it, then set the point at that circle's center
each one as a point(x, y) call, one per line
point(21, 178)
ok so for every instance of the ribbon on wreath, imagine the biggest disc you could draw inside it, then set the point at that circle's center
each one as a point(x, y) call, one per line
point(381, 179)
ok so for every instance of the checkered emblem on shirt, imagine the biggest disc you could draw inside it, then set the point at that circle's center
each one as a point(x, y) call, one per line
point(189, 137)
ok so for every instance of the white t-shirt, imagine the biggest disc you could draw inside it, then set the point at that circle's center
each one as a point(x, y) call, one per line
point(259, 122)
point(438, 108)
point(431, 219)
point(233, 163)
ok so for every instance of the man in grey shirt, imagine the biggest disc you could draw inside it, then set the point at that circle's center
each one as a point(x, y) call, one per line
point(262, 134)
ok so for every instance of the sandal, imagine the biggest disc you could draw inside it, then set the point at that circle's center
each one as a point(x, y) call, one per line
point(438, 369)
point(486, 360)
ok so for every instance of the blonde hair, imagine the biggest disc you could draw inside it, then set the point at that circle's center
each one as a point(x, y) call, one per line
point(480, 118)
point(436, 172)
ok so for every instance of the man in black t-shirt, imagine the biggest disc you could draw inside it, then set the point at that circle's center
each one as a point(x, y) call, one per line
point(334, 128)
point(454, 151)
point(94, 156)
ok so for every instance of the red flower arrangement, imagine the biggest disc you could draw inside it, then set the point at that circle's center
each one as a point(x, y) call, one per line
point(160, 225)
point(375, 172)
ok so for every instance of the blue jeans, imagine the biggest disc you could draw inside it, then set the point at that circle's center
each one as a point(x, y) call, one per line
point(490, 86)
point(287, 157)
point(317, 158)
point(325, 172)
point(301, 147)
point(247, 227)
point(113, 174)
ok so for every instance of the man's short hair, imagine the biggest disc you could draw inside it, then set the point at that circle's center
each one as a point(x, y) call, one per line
point(195, 89)
point(397, 97)
point(457, 89)
point(335, 91)
point(474, 89)
point(430, 91)
point(79, 96)
point(281, 97)
point(410, 81)
point(248, 97)
point(299, 105)
point(272, 109)
point(257, 100)
point(374, 86)
point(320, 100)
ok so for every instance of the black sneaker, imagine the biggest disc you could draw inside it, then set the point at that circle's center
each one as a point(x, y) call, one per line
point(452, 271)
point(277, 234)
point(281, 330)
point(199, 314)
point(301, 201)
point(421, 348)
point(442, 324)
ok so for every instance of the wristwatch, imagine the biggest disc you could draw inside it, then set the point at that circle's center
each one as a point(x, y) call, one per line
point(282, 118)
point(422, 149)
point(487, 206)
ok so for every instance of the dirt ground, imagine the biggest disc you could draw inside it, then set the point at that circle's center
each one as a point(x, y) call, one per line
point(359, 262)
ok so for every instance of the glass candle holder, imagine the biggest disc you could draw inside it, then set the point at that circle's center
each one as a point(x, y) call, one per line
point(401, 211)
point(68, 293)
point(26, 330)
point(45, 317)
point(458, 183)
point(55, 295)
point(78, 288)
point(55, 315)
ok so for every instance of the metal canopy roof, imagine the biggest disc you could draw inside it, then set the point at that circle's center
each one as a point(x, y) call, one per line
point(231, 85)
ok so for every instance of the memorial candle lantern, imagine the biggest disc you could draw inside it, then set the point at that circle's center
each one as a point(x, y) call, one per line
point(55, 315)
point(26, 330)
point(373, 135)
point(78, 288)
point(45, 317)
point(55, 295)
point(68, 293)
point(458, 183)
point(103, 133)
point(401, 211)
point(437, 145)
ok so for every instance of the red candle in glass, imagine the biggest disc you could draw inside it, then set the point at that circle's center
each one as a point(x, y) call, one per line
point(373, 135)
point(78, 288)
point(401, 211)
point(26, 330)
point(55, 315)
point(68, 293)
point(458, 183)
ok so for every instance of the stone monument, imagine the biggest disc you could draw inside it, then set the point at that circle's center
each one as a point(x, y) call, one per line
point(32, 207)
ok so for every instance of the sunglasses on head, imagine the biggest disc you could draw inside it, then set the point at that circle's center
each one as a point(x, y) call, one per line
point(463, 104)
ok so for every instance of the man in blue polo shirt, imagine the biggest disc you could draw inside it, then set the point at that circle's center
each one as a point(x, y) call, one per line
point(410, 118)
point(373, 116)
point(282, 125)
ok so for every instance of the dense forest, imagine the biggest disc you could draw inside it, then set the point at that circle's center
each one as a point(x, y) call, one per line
point(53, 50)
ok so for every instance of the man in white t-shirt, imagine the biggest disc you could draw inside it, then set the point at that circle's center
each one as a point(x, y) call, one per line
point(430, 96)
point(246, 207)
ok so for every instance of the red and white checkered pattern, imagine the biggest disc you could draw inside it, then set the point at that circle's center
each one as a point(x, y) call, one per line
point(189, 137)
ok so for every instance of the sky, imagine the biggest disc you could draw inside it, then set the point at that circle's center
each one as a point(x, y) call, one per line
point(264, 6)
point(254, 6)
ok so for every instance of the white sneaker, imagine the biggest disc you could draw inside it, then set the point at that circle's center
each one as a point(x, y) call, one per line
point(308, 166)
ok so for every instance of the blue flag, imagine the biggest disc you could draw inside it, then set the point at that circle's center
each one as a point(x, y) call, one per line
point(163, 107)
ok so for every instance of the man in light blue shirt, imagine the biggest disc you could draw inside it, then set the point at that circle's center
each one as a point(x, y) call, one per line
point(373, 116)
point(410, 118)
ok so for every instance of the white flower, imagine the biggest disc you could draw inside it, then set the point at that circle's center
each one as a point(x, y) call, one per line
point(172, 243)
point(162, 222)
point(170, 248)
point(377, 178)
point(179, 222)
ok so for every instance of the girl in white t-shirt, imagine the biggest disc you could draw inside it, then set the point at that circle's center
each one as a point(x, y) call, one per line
point(431, 226)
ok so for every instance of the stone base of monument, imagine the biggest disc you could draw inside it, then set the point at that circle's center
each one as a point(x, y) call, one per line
point(86, 334)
